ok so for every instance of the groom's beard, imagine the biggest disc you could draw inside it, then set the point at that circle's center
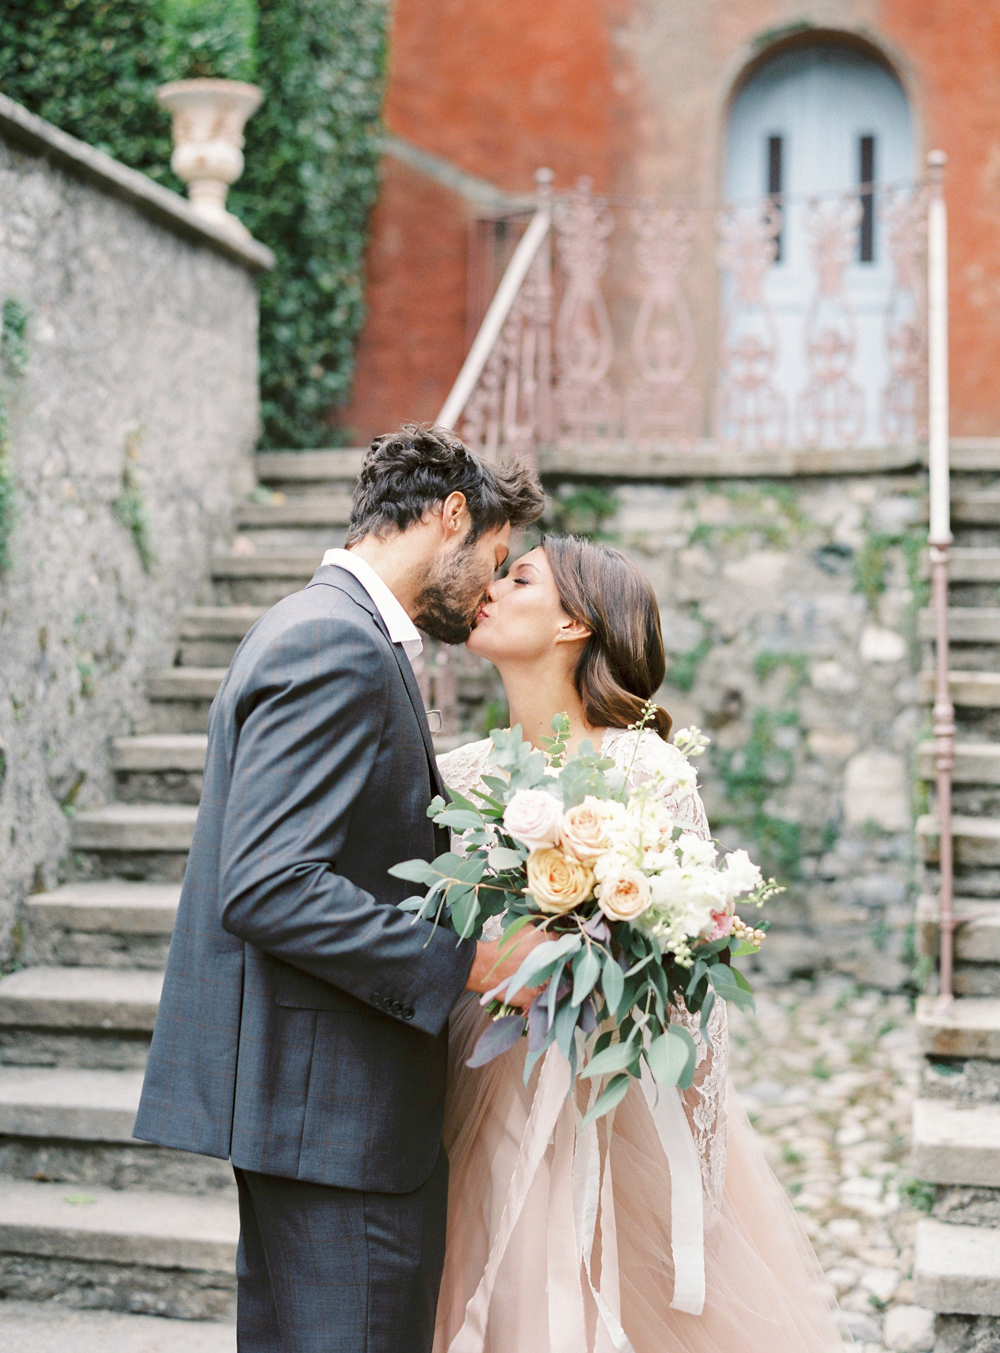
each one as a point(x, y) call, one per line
point(448, 602)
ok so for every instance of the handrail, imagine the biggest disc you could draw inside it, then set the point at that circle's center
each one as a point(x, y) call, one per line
point(940, 539)
point(500, 307)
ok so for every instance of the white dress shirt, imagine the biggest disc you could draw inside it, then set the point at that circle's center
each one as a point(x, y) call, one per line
point(401, 628)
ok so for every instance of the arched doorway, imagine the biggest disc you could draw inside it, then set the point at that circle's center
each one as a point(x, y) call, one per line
point(825, 132)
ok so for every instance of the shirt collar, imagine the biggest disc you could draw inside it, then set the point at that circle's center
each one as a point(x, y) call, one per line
point(401, 628)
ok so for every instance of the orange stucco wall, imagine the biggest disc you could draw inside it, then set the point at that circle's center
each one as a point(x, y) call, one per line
point(633, 93)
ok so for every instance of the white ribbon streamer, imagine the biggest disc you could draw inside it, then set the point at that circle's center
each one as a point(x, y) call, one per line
point(687, 1220)
point(581, 1192)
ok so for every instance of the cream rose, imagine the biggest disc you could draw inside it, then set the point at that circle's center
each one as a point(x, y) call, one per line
point(583, 834)
point(534, 818)
point(625, 895)
point(557, 882)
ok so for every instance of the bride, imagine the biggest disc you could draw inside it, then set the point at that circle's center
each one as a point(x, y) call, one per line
point(574, 628)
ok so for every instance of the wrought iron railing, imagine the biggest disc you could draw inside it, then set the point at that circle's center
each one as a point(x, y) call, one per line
point(631, 323)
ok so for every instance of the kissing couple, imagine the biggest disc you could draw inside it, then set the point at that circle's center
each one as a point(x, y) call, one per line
point(316, 1035)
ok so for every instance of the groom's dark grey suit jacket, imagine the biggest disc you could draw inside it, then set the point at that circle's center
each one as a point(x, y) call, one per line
point(303, 1025)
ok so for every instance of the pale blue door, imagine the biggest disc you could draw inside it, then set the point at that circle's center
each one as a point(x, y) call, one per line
point(819, 123)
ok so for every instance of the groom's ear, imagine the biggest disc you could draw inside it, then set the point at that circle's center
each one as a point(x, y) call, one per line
point(455, 516)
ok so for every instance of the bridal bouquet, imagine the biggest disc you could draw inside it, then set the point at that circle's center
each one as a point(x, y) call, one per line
point(638, 912)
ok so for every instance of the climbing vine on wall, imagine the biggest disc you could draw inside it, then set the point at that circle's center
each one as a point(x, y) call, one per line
point(92, 67)
point(14, 360)
point(310, 181)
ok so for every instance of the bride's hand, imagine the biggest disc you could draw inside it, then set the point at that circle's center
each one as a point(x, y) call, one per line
point(490, 966)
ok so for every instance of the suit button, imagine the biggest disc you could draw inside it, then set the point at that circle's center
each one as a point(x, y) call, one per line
point(397, 1007)
point(408, 1012)
point(376, 998)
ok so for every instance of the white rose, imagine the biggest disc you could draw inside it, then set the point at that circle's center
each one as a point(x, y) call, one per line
point(534, 818)
point(741, 874)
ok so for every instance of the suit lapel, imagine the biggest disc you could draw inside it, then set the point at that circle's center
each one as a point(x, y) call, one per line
point(347, 582)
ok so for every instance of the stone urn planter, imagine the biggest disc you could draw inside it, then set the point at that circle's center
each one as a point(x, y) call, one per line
point(209, 117)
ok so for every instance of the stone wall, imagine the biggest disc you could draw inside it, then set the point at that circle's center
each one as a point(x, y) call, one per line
point(790, 613)
point(131, 430)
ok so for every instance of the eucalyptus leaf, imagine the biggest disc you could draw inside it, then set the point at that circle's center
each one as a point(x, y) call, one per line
point(502, 857)
point(608, 1099)
point(615, 1058)
point(586, 970)
point(414, 871)
point(668, 1056)
point(497, 1038)
point(613, 983)
point(460, 819)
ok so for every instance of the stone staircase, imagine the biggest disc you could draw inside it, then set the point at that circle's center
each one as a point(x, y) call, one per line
point(956, 1120)
point(88, 1216)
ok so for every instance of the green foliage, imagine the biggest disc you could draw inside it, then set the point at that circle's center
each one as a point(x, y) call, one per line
point(209, 38)
point(131, 510)
point(311, 178)
point(919, 1194)
point(14, 360)
point(750, 775)
point(13, 339)
point(769, 660)
point(92, 67)
point(684, 668)
point(871, 565)
point(583, 512)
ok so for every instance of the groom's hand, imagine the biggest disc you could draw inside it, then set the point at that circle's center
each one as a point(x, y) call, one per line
point(490, 966)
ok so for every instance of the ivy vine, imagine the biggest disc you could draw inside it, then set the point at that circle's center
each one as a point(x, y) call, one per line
point(14, 359)
point(93, 67)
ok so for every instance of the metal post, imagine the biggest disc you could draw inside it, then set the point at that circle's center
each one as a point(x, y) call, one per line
point(546, 422)
point(940, 540)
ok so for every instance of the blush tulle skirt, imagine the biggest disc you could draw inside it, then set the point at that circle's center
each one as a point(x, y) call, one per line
point(764, 1289)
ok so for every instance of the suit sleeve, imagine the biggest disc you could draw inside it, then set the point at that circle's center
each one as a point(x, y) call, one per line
point(308, 731)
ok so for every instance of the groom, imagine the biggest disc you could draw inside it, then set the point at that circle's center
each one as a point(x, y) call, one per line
point(302, 1030)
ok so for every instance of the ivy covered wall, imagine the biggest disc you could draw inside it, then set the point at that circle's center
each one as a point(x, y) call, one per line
point(92, 67)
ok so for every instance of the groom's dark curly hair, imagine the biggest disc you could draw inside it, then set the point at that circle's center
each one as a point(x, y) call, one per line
point(405, 473)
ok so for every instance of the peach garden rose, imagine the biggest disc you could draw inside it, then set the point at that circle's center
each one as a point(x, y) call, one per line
point(625, 895)
point(557, 882)
point(583, 832)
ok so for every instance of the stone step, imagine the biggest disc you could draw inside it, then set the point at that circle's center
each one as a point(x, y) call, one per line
point(210, 635)
point(163, 1253)
point(55, 1327)
point(307, 471)
point(107, 999)
point(156, 752)
point(102, 923)
point(977, 839)
point(159, 767)
point(975, 455)
point(974, 565)
point(185, 683)
point(956, 1269)
point(977, 939)
point(970, 690)
point(956, 1145)
point(134, 827)
point(966, 624)
point(976, 507)
point(968, 1027)
point(300, 510)
point(976, 763)
point(265, 577)
point(91, 1106)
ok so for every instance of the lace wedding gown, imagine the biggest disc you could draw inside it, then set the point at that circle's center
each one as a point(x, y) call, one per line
point(764, 1290)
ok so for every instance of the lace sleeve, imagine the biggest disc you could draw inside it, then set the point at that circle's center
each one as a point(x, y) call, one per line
point(462, 769)
point(645, 755)
point(705, 1101)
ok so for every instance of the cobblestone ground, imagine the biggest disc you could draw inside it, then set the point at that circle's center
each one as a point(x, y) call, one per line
point(828, 1073)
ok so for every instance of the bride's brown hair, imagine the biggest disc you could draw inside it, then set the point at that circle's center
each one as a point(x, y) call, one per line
point(622, 663)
